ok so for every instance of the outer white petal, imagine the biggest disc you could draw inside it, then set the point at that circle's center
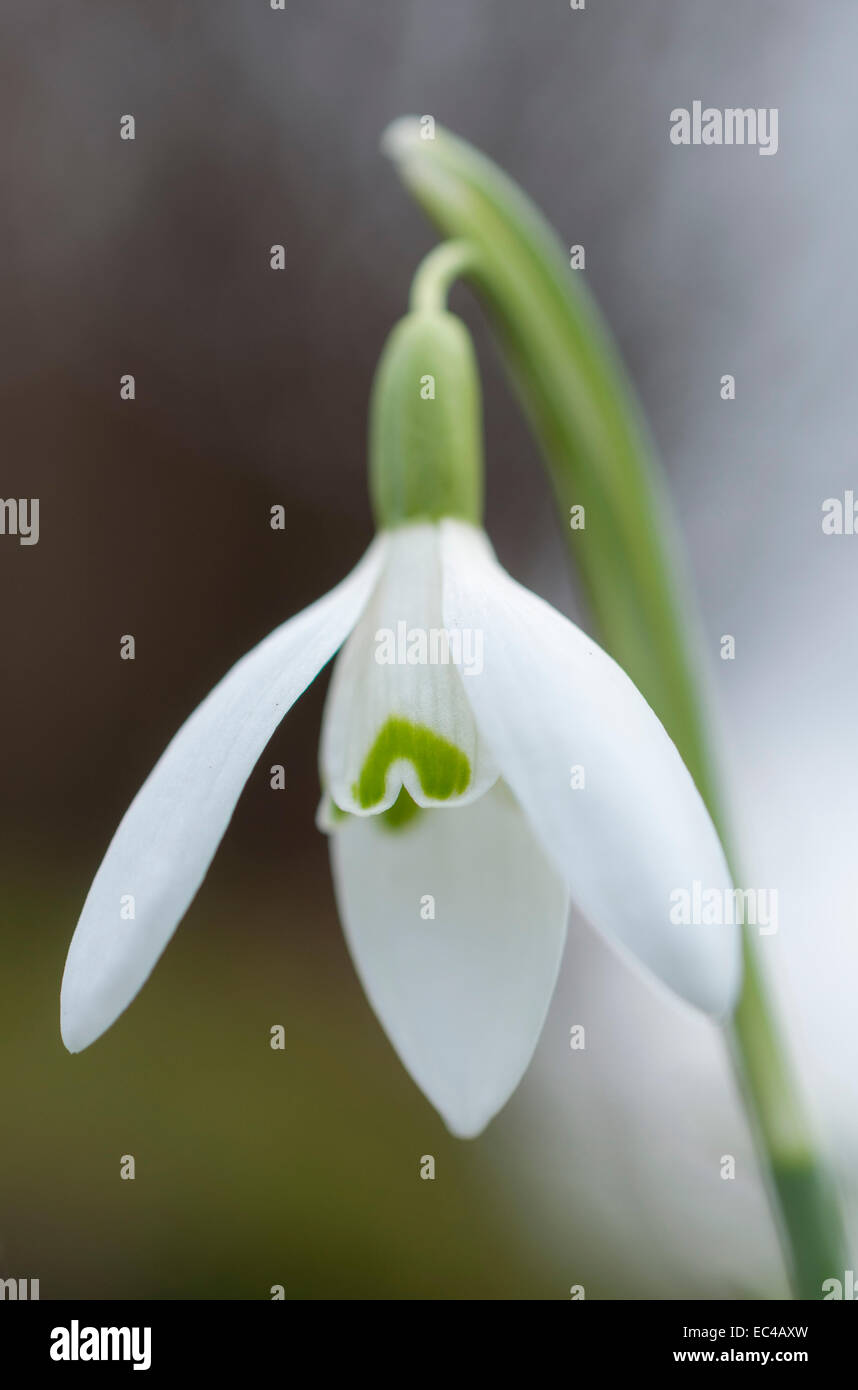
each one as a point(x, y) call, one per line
point(369, 692)
point(169, 835)
point(462, 997)
point(549, 700)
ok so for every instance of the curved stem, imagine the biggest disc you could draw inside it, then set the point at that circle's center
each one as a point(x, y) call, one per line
point(595, 444)
point(437, 272)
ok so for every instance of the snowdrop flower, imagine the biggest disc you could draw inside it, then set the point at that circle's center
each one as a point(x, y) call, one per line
point(458, 707)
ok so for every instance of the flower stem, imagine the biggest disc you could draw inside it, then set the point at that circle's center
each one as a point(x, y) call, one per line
point(803, 1196)
point(574, 391)
point(437, 272)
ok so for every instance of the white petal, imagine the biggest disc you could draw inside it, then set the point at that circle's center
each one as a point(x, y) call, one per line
point(462, 997)
point(549, 700)
point(395, 690)
point(168, 837)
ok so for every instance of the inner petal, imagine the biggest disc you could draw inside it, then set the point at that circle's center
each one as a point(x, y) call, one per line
point(397, 715)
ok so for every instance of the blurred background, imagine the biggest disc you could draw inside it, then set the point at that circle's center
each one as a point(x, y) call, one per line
point(151, 257)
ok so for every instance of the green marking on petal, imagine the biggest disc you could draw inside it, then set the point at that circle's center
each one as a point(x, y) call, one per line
point(443, 769)
point(401, 813)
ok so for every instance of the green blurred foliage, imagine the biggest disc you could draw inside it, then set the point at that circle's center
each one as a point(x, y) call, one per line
point(254, 1167)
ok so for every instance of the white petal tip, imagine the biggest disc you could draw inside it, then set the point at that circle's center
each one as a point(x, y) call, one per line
point(72, 1041)
point(710, 983)
point(725, 996)
point(400, 137)
point(466, 1124)
point(87, 1009)
point(76, 1033)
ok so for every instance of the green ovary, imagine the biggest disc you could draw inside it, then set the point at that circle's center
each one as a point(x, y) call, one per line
point(443, 769)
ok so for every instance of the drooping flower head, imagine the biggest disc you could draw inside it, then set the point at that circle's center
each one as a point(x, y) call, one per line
point(459, 708)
